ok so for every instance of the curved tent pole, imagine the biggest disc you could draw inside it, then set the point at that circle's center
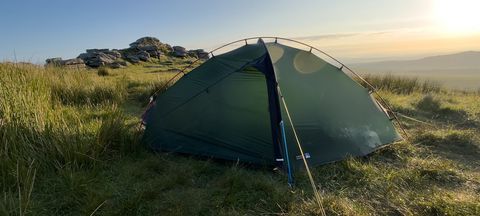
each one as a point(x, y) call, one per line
point(370, 86)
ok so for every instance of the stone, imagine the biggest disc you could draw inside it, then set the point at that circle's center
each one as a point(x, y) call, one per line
point(143, 55)
point(114, 53)
point(118, 64)
point(96, 50)
point(202, 54)
point(71, 63)
point(198, 53)
point(54, 61)
point(148, 48)
point(179, 51)
point(74, 61)
point(99, 57)
point(132, 58)
point(152, 45)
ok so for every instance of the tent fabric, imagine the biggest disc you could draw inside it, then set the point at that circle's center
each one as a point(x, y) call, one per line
point(228, 108)
point(334, 116)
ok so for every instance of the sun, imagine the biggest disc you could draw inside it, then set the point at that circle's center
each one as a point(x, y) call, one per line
point(458, 16)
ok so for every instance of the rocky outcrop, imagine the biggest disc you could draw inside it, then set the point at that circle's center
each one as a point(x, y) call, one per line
point(179, 51)
point(152, 45)
point(54, 61)
point(100, 57)
point(118, 64)
point(71, 63)
point(142, 49)
point(143, 55)
point(198, 53)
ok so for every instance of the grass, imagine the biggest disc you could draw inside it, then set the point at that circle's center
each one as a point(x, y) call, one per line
point(402, 85)
point(103, 71)
point(70, 145)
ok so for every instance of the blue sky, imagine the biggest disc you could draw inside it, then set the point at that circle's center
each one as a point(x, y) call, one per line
point(33, 30)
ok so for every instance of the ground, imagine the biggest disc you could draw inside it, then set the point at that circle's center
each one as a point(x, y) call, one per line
point(71, 145)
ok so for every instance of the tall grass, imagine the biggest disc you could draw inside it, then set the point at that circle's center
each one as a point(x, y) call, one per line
point(38, 124)
point(66, 148)
point(402, 85)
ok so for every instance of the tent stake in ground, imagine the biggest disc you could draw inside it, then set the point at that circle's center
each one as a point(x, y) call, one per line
point(287, 158)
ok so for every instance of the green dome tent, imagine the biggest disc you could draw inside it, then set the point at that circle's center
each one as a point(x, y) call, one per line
point(265, 103)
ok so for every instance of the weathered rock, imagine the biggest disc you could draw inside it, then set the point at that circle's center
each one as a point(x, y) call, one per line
point(118, 64)
point(168, 48)
point(154, 51)
point(143, 55)
point(202, 54)
point(198, 53)
point(152, 45)
point(54, 61)
point(148, 48)
point(96, 50)
point(99, 57)
point(132, 58)
point(114, 53)
point(141, 50)
point(72, 63)
point(179, 51)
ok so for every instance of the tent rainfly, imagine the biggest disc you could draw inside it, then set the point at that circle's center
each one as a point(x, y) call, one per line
point(270, 104)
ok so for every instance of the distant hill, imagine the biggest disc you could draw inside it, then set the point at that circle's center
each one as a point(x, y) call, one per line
point(458, 71)
point(469, 60)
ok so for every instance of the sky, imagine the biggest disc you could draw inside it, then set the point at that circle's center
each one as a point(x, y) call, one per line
point(352, 30)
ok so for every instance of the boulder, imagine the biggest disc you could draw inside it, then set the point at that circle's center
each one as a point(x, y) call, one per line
point(198, 53)
point(99, 57)
point(143, 55)
point(152, 45)
point(148, 48)
point(202, 54)
point(96, 50)
point(132, 58)
point(152, 50)
point(75, 61)
point(114, 53)
point(54, 61)
point(72, 63)
point(118, 64)
point(179, 51)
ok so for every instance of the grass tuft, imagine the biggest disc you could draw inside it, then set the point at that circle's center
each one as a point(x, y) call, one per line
point(429, 104)
point(402, 85)
point(103, 71)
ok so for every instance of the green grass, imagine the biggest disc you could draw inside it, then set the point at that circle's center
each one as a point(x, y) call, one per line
point(402, 85)
point(70, 145)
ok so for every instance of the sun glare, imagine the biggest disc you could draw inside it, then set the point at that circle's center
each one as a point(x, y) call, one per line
point(458, 16)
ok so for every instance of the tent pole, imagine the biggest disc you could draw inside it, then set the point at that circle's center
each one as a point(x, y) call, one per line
point(287, 157)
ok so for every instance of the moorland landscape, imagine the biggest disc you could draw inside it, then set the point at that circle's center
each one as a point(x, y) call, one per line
point(71, 144)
